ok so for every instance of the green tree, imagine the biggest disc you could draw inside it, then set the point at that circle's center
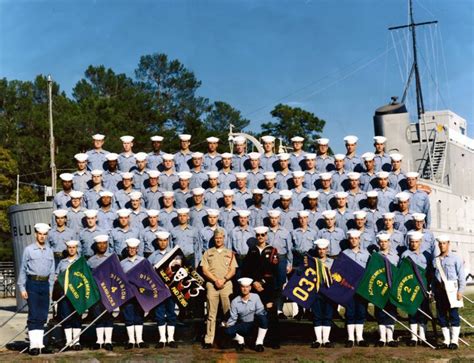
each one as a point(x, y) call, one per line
point(221, 116)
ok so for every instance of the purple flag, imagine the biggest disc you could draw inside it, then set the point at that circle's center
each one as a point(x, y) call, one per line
point(346, 275)
point(148, 288)
point(113, 283)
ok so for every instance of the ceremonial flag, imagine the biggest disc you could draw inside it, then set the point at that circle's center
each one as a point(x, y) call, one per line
point(407, 291)
point(182, 280)
point(374, 286)
point(346, 275)
point(112, 282)
point(147, 287)
point(79, 285)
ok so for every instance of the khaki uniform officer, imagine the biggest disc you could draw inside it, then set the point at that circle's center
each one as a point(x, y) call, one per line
point(218, 265)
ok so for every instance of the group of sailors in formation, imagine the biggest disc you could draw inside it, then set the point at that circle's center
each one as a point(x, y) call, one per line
point(243, 219)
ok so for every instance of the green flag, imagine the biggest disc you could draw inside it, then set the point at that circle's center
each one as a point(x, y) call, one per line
point(406, 292)
point(374, 285)
point(79, 285)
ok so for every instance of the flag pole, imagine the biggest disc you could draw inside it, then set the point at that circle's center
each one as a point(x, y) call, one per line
point(464, 296)
point(82, 331)
point(468, 323)
point(16, 312)
point(407, 328)
point(12, 339)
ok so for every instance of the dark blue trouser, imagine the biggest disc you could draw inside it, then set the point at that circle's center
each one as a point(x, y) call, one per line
point(38, 303)
point(65, 308)
point(106, 320)
point(280, 280)
point(132, 313)
point(322, 309)
point(165, 314)
point(444, 310)
point(245, 328)
point(420, 318)
point(356, 310)
point(384, 319)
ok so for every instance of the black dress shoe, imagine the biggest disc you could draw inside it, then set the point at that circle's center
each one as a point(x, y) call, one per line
point(207, 346)
point(142, 345)
point(173, 344)
point(33, 351)
point(282, 316)
point(129, 346)
point(349, 344)
point(392, 344)
point(160, 345)
point(108, 346)
point(380, 344)
point(453, 346)
point(96, 346)
point(362, 343)
point(300, 315)
point(411, 343)
point(424, 344)
point(46, 350)
point(259, 348)
point(77, 347)
point(315, 344)
point(240, 347)
point(275, 346)
point(328, 345)
point(442, 346)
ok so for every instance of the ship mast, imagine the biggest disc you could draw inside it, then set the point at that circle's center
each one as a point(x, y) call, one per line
point(414, 69)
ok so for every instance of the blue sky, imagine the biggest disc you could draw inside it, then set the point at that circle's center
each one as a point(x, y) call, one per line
point(334, 58)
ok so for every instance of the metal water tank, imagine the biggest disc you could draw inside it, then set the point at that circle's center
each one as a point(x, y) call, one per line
point(23, 218)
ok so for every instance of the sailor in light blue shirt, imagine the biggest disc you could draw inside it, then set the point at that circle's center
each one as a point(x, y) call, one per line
point(153, 194)
point(126, 159)
point(352, 161)
point(212, 158)
point(421, 258)
point(96, 156)
point(185, 236)
point(123, 232)
point(354, 252)
point(334, 235)
point(297, 156)
point(242, 237)
point(228, 213)
point(168, 177)
point(155, 158)
point(82, 176)
point(167, 217)
point(58, 236)
point(62, 199)
point(148, 235)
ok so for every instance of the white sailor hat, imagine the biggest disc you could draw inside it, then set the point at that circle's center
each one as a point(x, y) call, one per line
point(168, 194)
point(383, 237)
point(303, 213)
point(339, 195)
point(359, 214)
point(442, 238)
point(162, 234)
point(60, 213)
point(382, 174)
point(135, 195)
point(322, 141)
point(245, 281)
point(212, 212)
point(402, 196)
point(198, 191)
point(66, 176)
point(297, 139)
point(298, 174)
point(111, 156)
point(254, 156)
point(389, 215)
point(380, 139)
point(141, 156)
point(228, 192)
point(132, 242)
point(285, 194)
point(182, 210)
point(127, 175)
point(339, 157)
point(325, 176)
point(312, 194)
point(269, 175)
point(261, 229)
point(91, 213)
point(415, 235)
point(226, 155)
point(76, 194)
point(81, 157)
point(329, 214)
point(184, 137)
point(106, 193)
point(353, 175)
point(98, 137)
point(322, 243)
point(42, 227)
point(72, 243)
point(372, 194)
point(243, 212)
point(241, 175)
point(214, 174)
point(152, 212)
point(310, 156)
point(257, 191)
point(127, 138)
point(412, 174)
point(197, 155)
point(351, 139)
point(239, 140)
point(274, 213)
point(167, 156)
point(97, 172)
point(124, 212)
point(184, 175)
point(396, 156)
point(156, 138)
point(368, 156)
point(353, 233)
point(212, 139)
point(268, 138)
point(101, 238)
point(153, 173)
point(419, 216)
point(283, 156)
